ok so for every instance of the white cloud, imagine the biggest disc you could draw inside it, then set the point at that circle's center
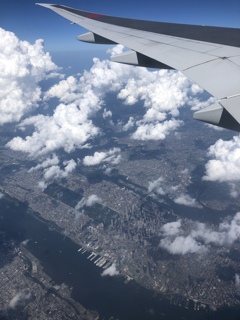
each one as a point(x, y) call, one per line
point(65, 90)
point(46, 163)
point(80, 98)
point(186, 200)
point(163, 188)
point(118, 49)
point(163, 93)
point(66, 129)
point(226, 165)
point(1, 195)
point(156, 186)
point(197, 105)
point(22, 67)
point(233, 190)
point(129, 124)
point(55, 172)
point(70, 126)
point(42, 185)
point(171, 228)
point(230, 231)
point(196, 237)
point(107, 114)
point(52, 170)
point(90, 201)
point(177, 193)
point(110, 156)
point(19, 298)
point(182, 245)
point(237, 281)
point(155, 131)
point(111, 271)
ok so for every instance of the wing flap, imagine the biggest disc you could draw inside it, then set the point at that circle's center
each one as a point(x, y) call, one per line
point(225, 114)
point(94, 38)
point(137, 59)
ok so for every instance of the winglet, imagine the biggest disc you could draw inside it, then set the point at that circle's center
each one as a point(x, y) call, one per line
point(47, 5)
point(220, 116)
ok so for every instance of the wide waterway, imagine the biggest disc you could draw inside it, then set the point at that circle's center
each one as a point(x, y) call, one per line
point(108, 295)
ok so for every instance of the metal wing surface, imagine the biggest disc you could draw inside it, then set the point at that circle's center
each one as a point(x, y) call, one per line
point(209, 56)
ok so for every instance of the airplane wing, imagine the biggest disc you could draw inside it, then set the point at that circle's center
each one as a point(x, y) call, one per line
point(209, 56)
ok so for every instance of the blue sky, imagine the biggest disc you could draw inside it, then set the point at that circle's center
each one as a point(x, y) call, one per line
point(30, 22)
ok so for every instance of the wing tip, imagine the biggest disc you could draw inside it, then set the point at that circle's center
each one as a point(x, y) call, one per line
point(47, 5)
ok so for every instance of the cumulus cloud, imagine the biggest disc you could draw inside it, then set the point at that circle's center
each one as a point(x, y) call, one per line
point(226, 165)
point(65, 90)
point(118, 49)
point(19, 298)
point(22, 67)
point(112, 156)
point(55, 172)
point(175, 242)
point(163, 188)
point(51, 170)
point(42, 185)
point(71, 126)
point(107, 113)
point(1, 195)
point(50, 161)
point(111, 271)
point(155, 131)
point(163, 93)
point(196, 104)
point(129, 124)
point(177, 239)
point(171, 228)
point(90, 201)
point(186, 200)
point(66, 129)
point(182, 245)
point(156, 186)
point(233, 190)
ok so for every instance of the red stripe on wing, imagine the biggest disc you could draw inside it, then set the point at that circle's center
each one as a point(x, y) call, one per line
point(94, 15)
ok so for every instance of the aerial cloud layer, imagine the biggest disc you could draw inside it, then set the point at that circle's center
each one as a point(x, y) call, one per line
point(71, 126)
